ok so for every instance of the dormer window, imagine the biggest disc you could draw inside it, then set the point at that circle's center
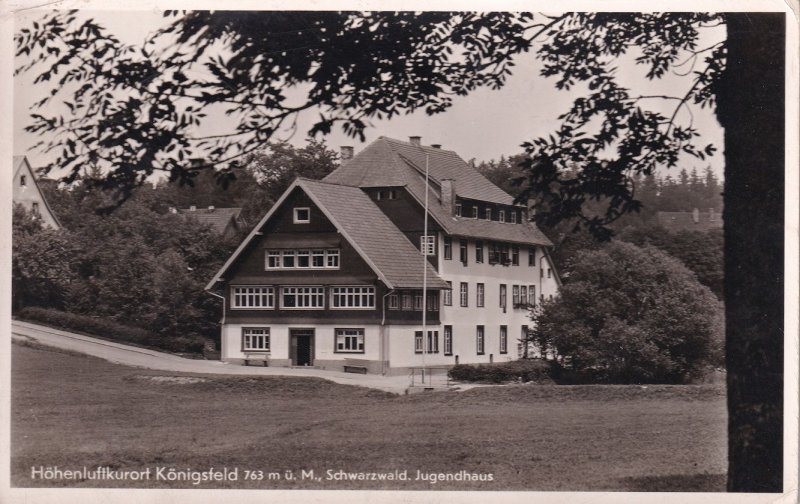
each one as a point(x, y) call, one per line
point(23, 180)
point(513, 217)
point(302, 215)
point(474, 212)
point(488, 214)
point(458, 209)
point(392, 194)
point(502, 217)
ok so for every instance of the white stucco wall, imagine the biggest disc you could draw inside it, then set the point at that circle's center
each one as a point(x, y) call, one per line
point(28, 194)
point(324, 337)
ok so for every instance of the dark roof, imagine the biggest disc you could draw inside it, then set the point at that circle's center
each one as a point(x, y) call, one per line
point(387, 162)
point(685, 221)
point(382, 245)
point(218, 218)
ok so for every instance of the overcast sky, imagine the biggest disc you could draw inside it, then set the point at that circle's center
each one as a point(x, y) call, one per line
point(484, 125)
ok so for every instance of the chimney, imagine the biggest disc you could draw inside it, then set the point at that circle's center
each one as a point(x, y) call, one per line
point(449, 195)
point(415, 140)
point(436, 146)
point(211, 207)
point(346, 152)
point(192, 208)
point(696, 215)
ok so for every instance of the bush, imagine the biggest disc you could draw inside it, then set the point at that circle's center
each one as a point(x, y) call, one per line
point(191, 343)
point(631, 315)
point(522, 370)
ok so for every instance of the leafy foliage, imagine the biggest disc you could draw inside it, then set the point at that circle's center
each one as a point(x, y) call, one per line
point(135, 110)
point(631, 315)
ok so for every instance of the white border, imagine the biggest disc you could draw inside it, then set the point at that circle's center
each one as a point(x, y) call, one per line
point(791, 278)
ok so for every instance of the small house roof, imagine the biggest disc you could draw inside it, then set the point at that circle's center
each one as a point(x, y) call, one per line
point(217, 218)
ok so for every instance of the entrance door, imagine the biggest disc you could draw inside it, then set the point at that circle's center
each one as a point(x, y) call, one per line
point(301, 343)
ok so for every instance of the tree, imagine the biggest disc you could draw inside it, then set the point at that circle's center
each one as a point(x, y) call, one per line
point(359, 66)
point(632, 315)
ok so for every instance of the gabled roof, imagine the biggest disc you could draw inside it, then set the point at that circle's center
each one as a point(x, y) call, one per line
point(390, 162)
point(379, 242)
point(387, 162)
point(217, 218)
point(22, 163)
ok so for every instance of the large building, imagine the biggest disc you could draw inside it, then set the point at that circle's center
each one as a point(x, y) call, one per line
point(27, 193)
point(333, 274)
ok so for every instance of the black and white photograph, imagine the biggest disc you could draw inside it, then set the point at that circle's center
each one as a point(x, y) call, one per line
point(370, 253)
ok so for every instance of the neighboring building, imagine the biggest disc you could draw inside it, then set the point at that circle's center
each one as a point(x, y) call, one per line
point(226, 222)
point(689, 221)
point(333, 273)
point(27, 193)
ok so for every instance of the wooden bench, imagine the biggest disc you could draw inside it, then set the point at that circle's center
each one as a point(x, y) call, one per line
point(260, 357)
point(356, 366)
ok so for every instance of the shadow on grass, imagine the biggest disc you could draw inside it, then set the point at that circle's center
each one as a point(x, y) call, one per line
point(675, 483)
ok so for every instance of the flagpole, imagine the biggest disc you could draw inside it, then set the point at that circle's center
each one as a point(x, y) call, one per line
point(424, 246)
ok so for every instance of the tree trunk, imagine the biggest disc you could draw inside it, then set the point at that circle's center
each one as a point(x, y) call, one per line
point(750, 106)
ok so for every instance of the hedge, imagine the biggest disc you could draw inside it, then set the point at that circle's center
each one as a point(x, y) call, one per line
point(522, 370)
point(111, 330)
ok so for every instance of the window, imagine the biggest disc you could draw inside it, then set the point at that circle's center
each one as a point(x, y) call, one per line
point(448, 248)
point(488, 214)
point(531, 256)
point(349, 341)
point(253, 297)
point(302, 215)
point(479, 340)
point(292, 259)
point(503, 297)
point(458, 209)
point(515, 295)
point(432, 344)
point(474, 212)
point(352, 297)
point(35, 208)
point(548, 273)
point(532, 295)
point(318, 258)
point(448, 340)
point(550, 297)
point(302, 298)
point(407, 301)
point(462, 256)
point(502, 217)
point(379, 195)
point(418, 301)
point(392, 193)
point(23, 180)
point(478, 251)
point(503, 339)
point(479, 295)
point(255, 339)
point(523, 296)
point(523, 339)
point(515, 255)
point(448, 294)
point(427, 244)
point(332, 258)
point(513, 216)
point(394, 302)
point(303, 258)
point(433, 301)
point(464, 294)
point(273, 259)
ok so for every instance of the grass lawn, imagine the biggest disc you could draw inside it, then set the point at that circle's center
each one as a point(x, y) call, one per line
point(72, 411)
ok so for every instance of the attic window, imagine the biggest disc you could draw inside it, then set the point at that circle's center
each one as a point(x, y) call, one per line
point(513, 217)
point(23, 180)
point(502, 216)
point(458, 209)
point(474, 212)
point(302, 215)
point(488, 214)
point(392, 194)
